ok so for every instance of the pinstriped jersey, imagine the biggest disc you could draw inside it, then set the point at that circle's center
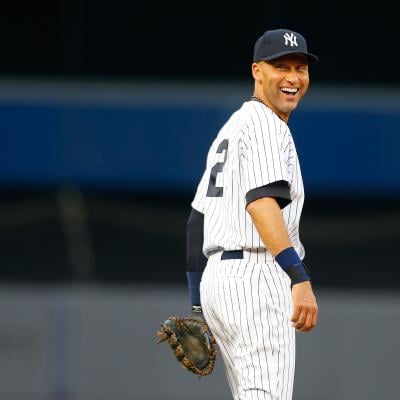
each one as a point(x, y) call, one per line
point(253, 148)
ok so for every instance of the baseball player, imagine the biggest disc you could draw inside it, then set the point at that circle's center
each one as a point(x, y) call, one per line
point(244, 255)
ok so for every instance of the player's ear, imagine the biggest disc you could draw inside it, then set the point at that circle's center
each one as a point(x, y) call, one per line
point(256, 72)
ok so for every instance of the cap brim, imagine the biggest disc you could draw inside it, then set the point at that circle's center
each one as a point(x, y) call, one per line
point(312, 59)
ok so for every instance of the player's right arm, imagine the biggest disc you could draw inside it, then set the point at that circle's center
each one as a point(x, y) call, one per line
point(267, 217)
point(195, 258)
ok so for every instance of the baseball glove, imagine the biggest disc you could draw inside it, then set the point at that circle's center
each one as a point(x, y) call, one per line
point(191, 341)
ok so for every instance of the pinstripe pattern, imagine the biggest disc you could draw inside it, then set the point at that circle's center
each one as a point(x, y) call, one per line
point(247, 306)
point(247, 303)
point(260, 151)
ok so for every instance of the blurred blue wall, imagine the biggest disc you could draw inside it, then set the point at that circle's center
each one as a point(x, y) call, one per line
point(110, 141)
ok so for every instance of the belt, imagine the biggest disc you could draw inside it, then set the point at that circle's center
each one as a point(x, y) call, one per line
point(232, 255)
point(260, 255)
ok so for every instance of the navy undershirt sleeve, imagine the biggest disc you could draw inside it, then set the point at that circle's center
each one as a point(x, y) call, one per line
point(279, 190)
point(195, 258)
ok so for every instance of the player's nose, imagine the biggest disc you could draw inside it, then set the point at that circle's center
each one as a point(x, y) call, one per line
point(292, 76)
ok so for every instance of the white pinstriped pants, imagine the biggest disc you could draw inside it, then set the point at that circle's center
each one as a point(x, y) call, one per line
point(248, 307)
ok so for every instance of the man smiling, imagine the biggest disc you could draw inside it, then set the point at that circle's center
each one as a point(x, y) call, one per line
point(245, 268)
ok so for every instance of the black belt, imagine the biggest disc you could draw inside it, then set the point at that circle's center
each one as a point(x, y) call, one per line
point(232, 255)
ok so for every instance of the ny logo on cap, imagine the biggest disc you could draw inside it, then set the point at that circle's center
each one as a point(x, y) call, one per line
point(290, 38)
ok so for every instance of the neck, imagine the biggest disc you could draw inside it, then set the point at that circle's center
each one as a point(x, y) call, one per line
point(282, 116)
point(257, 99)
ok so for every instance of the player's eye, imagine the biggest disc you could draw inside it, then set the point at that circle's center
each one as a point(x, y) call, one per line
point(281, 66)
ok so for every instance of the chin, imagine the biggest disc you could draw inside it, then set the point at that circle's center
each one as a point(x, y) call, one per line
point(289, 108)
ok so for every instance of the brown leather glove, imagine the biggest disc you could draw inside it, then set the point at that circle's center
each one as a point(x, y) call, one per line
point(192, 342)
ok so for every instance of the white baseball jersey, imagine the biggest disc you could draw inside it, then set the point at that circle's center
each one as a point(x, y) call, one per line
point(254, 148)
point(247, 302)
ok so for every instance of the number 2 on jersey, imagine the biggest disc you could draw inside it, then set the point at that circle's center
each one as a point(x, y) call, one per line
point(213, 190)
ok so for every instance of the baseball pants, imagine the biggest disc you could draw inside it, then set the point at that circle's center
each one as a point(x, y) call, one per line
point(247, 305)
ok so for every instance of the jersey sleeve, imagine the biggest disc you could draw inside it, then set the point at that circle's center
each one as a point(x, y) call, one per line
point(263, 159)
point(198, 203)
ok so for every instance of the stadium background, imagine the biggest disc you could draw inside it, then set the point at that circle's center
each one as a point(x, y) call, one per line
point(106, 114)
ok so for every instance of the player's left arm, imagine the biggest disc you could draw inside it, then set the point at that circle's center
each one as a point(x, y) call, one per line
point(267, 217)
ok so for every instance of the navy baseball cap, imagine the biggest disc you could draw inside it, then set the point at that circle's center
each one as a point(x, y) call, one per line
point(279, 42)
